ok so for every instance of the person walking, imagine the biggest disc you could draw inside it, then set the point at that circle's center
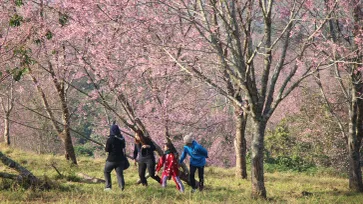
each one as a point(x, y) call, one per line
point(115, 146)
point(170, 170)
point(144, 155)
point(198, 155)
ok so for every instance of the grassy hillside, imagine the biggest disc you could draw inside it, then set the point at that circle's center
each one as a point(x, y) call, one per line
point(221, 186)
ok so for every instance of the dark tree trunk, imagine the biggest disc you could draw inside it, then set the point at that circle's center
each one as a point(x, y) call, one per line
point(66, 134)
point(63, 132)
point(25, 176)
point(355, 173)
point(68, 146)
point(257, 172)
point(240, 144)
point(8, 176)
point(355, 109)
point(354, 142)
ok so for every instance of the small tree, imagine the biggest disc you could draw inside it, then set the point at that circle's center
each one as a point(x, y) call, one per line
point(260, 45)
point(7, 105)
point(344, 48)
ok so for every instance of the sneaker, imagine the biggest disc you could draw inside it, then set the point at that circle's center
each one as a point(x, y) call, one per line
point(107, 189)
point(193, 190)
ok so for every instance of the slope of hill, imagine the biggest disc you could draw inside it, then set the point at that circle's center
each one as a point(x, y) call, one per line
point(221, 185)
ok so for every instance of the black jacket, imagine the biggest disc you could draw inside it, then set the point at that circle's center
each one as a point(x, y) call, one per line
point(144, 153)
point(115, 145)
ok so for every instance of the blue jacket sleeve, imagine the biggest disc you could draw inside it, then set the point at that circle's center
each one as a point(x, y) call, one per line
point(203, 151)
point(184, 154)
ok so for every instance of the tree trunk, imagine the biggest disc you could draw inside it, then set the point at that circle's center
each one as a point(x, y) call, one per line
point(67, 140)
point(68, 146)
point(63, 133)
point(355, 111)
point(7, 130)
point(355, 173)
point(240, 144)
point(257, 172)
point(8, 176)
point(24, 174)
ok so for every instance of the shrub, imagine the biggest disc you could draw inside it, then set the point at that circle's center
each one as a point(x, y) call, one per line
point(286, 163)
point(84, 150)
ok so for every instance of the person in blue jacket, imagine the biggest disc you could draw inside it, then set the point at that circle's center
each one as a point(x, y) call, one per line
point(197, 154)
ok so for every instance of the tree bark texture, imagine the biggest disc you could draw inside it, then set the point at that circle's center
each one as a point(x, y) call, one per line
point(8, 176)
point(24, 174)
point(240, 145)
point(354, 141)
point(355, 110)
point(68, 146)
point(7, 130)
point(63, 133)
point(257, 172)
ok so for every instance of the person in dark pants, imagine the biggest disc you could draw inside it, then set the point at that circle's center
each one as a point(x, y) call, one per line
point(115, 146)
point(197, 154)
point(144, 154)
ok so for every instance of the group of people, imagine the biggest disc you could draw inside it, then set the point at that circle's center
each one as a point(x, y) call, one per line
point(145, 158)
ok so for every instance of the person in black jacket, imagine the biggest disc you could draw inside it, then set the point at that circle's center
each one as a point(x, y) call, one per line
point(115, 146)
point(145, 148)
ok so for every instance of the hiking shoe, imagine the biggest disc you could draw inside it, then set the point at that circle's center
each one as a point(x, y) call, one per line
point(107, 189)
point(201, 186)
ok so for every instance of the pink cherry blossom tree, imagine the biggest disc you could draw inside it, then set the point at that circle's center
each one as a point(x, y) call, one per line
point(133, 80)
point(344, 49)
point(260, 46)
point(43, 56)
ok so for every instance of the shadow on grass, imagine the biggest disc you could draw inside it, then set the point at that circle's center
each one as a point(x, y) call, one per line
point(66, 187)
point(338, 193)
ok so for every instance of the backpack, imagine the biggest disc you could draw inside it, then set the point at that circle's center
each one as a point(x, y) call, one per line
point(126, 163)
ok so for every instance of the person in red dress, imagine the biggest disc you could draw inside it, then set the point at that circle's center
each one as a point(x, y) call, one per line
point(170, 170)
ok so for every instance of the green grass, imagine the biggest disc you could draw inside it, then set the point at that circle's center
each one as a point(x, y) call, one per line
point(220, 186)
